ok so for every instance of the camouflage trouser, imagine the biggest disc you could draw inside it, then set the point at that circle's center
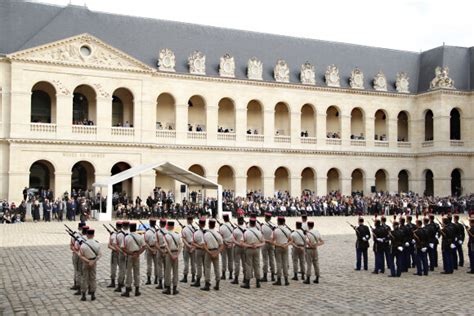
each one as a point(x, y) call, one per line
point(171, 266)
point(151, 260)
point(268, 254)
point(199, 262)
point(252, 262)
point(312, 261)
point(189, 256)
point(208, 260)
point(122, 267)
point(133, 270)
point(239, 258)
point(298, 255)
point(227, 259)
point(89, 281)
point(114, 261)
point(281, 258)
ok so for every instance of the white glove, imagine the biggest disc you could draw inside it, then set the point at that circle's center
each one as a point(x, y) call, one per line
point(460, 242)
point(453, 246)
point(407, 244)
point(364, 239)
point(413, 241)
point(423, 249)
point(400, 248)
point(431, 245)
point(380, 239)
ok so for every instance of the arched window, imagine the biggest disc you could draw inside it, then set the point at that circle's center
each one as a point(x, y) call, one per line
point(41, 175)
point(43, 103)
point(126, 185)
point(84, 106)
point(165, 112)
point(117, 111)
point(225, 177)
point(226, 116)
point(429, 125)
point(357, 181)
point(196, 114)
point(254, 179)
point(456, 185)
point(403, 183)
point(282, 119)
point(380, 126)
point(255, 123)
point(122, 108)
point(402, 127)
point(82, 176)
point(357, 124)
point(307, 180)
point(308, 121)
point(333, 184)
point(333, 123)
point(381, 181)
point(429, 185)
point(455, 125)
point(282, 182)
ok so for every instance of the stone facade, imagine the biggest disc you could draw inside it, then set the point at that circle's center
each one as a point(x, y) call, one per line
point(162, 110)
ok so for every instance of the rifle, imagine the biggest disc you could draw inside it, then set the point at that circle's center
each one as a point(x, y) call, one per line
point(113, 228)
point(76, 238)
point(291, 230)
point(110, 232)
point(180, 224)
point(146, 228)
point(69, 229)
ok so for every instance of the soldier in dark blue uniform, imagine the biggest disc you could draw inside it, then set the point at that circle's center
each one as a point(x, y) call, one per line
point(421, 251)
point(433, 232)
point(380, 235)
point(396, 250)
point(411, 248)
point(362, 244)
point(387, 252)
point(470, 245)
point(406, 243)
point(447, 246)
point(458, 253)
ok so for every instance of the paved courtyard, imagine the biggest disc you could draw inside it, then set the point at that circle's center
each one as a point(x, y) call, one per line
point(36, 273)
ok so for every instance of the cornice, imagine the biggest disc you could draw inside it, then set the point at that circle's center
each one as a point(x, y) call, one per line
point(241, 149)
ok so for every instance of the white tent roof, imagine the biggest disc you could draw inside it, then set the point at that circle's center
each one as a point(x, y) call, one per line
point(167, 168)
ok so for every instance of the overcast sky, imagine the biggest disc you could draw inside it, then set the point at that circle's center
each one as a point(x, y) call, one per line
point(400, 24)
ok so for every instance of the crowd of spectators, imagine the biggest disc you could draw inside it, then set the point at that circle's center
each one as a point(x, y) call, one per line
point(163, 203)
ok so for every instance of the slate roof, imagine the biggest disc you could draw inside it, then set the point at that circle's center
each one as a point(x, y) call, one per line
point(24, 25)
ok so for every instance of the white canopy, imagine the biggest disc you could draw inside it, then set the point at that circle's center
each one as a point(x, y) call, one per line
point(182, 175)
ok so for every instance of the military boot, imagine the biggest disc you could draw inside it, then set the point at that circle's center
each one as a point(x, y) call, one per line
point(78, 292)
point(148, 280)
point(193, 278)
point(316, 280)
point(273, 277)
point(207, 287)
point(156, 280)
point(184, 279)
point(302, 276)
point(216, 287)
point(197, 283)
point(112, 284)
point(175, 290)
point(74, 287)
point(258, 283)
point(264, 278)
point(137, 291)
point(127, 292)
point(230, 275)
point(295, 277)
point(235, 281)
point(223, 275)
point(160, 285)
point(286, 281)
point(83, 298)
point(307, 281)
point(278, 282)
point(246, 284)
point(167, 290)
point(119, 288)
point(93, 296)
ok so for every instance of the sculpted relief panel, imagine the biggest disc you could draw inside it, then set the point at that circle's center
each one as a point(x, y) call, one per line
point(227, 66)
point(442, 79)
point(281, 71)
point(197, 63)
point(357, 79)
point(380, 82)
point(166, 60)
point(332, 76)
point(254, 69)
point(402, 84)
point(307, 74)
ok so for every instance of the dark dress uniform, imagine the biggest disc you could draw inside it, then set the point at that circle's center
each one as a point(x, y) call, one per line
point(460, 236)
point(396, 251)
point(433, 231)
point(447, 246)
point(470, 246)
point(421, 252)
point(380, 236)
point(362, 244)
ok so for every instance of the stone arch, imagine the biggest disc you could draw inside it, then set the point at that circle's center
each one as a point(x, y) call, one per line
point(429, 125)
point(125, 186)
point(282, 179)
point(308, 176)
point(41, 175)
point(381, 126)
point(197, 118)
point(403, 181)
point(308, 120)
point(403, 126)
point(429, 182)
point(198, 169)
point(255, 121)
point(43, 103)
point(84, 105)
point(82, 176)
point(255, 179)
point(226, 177)
point(456, 182)
point(381, 177)
point(357, 123)
point(333, 122)
point(282, 119)
point(357, 180)
point(455, 124)
point(333, 180)
point(123, 108)
point(166, 112)
point(226, 115)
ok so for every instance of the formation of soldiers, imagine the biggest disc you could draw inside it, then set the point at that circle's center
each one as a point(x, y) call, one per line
point(408, 245)
point(241, 247)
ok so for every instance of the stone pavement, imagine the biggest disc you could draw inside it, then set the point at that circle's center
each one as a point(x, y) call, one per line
point(36, 273)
